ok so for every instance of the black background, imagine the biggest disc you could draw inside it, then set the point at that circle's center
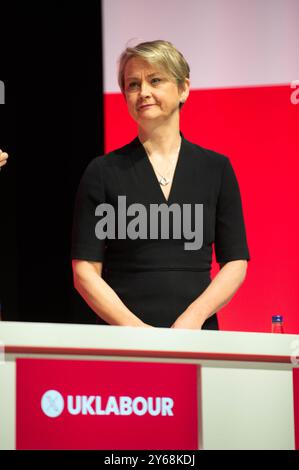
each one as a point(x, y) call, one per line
point(51, 125)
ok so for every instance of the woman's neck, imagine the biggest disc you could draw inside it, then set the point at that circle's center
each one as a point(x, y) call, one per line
point(160, 141)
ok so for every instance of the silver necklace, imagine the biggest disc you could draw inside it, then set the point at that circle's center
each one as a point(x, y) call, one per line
point(163, 180)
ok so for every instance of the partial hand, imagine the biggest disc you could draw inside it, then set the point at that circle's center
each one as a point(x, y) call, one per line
point(189, 321)
point(146, 325)
point(3, 158)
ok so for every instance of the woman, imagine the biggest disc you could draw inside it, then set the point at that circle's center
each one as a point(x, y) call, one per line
point(146, 276)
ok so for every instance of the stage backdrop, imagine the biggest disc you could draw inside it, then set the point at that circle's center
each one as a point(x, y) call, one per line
point(243, 60)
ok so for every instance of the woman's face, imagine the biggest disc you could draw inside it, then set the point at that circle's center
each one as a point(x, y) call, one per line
point(151, 94)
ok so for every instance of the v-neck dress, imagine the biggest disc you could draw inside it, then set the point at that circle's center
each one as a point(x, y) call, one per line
point(158, 278)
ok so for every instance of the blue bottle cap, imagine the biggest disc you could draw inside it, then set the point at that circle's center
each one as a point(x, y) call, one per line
point(277, 318)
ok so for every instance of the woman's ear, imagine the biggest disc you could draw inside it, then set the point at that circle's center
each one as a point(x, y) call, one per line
point(185, 90)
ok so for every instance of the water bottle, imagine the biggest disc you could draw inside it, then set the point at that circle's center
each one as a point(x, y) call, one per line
point(277, 324)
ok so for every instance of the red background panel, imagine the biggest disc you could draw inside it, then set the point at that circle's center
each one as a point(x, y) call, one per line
point(35, 430)
point(257, 128)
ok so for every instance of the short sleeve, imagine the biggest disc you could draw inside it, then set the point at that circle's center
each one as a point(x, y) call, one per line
point(230, 235)
point(85, 245)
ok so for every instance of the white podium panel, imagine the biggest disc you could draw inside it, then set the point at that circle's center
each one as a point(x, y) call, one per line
point(241, 386)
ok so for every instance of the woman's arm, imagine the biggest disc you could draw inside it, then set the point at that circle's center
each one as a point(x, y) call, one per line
point(99, 295)
point(222, 288)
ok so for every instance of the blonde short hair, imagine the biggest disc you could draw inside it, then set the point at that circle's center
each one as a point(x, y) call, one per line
point(160, 53)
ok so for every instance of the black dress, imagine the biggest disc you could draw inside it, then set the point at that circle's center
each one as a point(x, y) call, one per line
point(157, 278)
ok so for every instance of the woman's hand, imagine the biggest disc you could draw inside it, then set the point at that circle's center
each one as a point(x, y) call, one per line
point(145, 325)
point(3, 158)
point(188, 320)
point(218, 293)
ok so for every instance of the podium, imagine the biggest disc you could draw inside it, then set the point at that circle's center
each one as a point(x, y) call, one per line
point(199, 389)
